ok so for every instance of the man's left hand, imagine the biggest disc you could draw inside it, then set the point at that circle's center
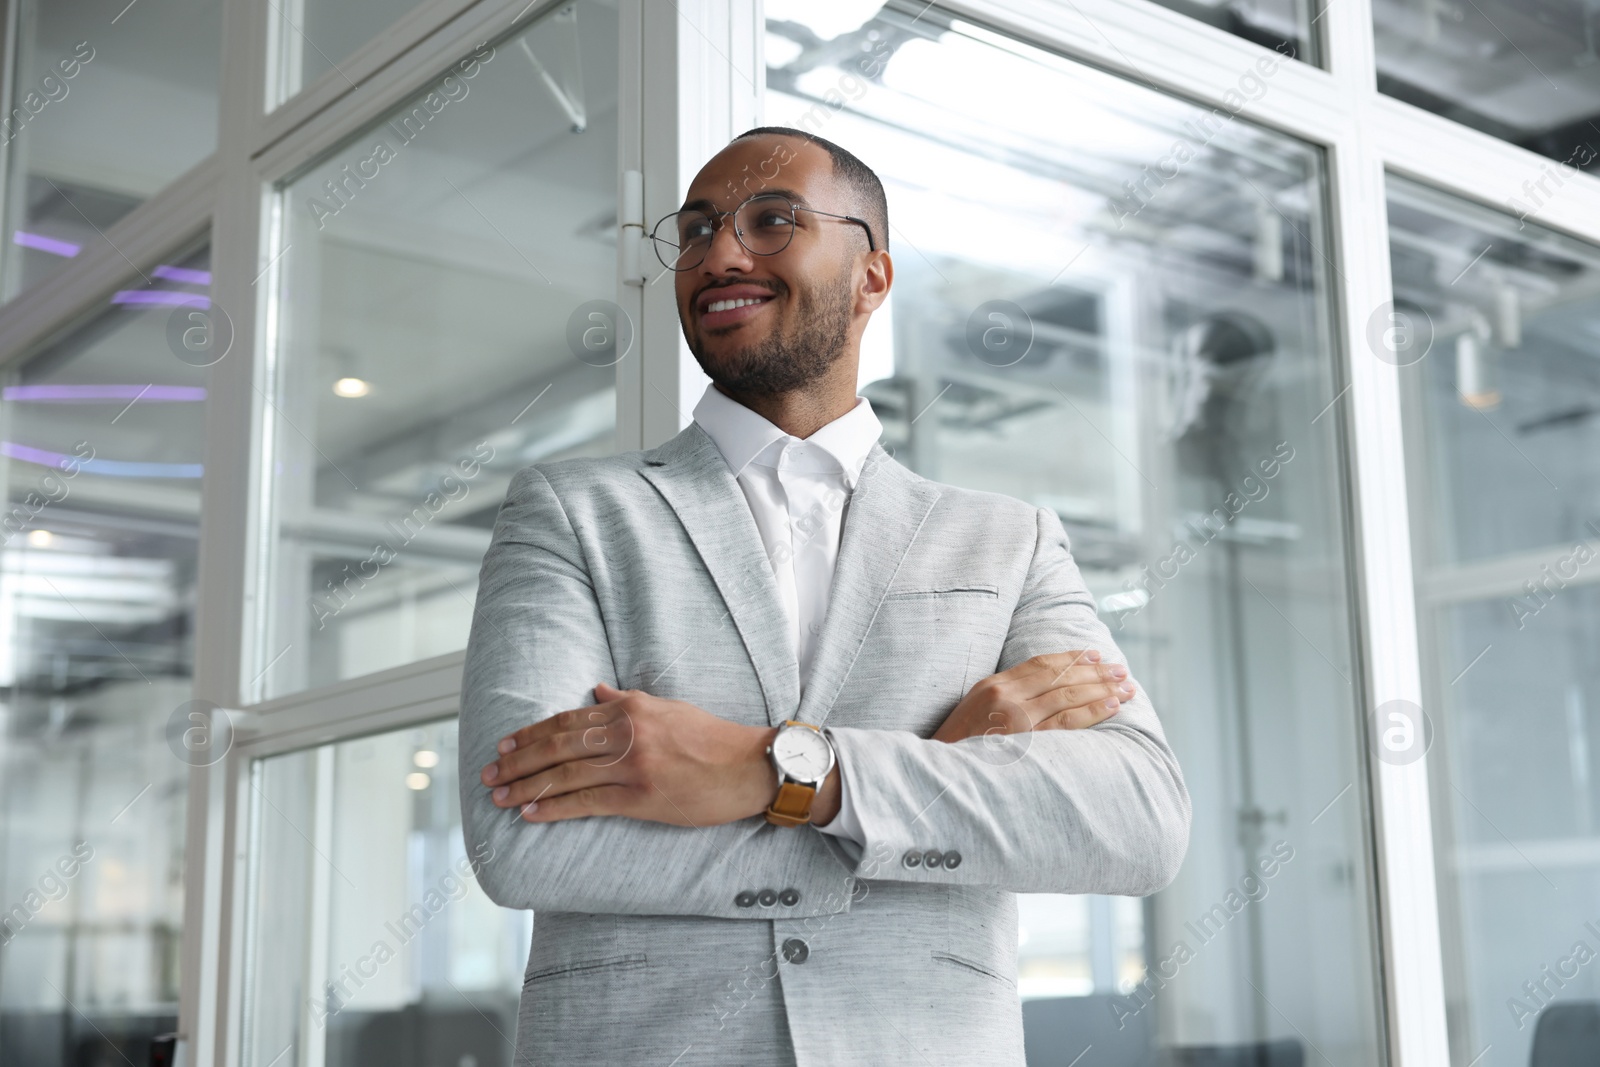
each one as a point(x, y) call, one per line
point(637, 755)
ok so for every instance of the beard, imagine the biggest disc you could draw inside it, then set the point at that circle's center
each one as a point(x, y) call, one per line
point(786, 359)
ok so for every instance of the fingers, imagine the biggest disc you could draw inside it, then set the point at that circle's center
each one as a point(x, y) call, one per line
point(1046, 684)
point(1043, 673)
point(600, 733)
point(1079, 716)
point(593, 800)
point(606, 695)
point(537, 790)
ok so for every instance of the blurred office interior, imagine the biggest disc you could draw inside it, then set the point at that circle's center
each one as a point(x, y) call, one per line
point(1289, 309)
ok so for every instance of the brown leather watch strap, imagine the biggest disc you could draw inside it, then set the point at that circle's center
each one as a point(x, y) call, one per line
point(792, 807)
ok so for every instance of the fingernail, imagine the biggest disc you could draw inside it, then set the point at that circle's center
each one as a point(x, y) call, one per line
point(530, 807)
point(503, 792)
point(490, 773)
point(1119, 671)
point(1125, 689)
point(506, 745)
point(1093, 656)
point(1110, 704)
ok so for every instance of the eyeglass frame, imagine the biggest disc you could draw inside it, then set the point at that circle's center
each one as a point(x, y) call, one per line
point(716, 217)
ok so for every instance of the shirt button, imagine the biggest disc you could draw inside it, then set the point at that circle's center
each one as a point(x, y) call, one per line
point(796, 950)
point(932, 858)
point(815, 628)
point(952, 860)
point(745, 899)
point(789, 897)
point(912, 858)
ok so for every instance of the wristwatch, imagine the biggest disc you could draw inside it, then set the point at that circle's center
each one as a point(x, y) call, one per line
point(803, 758)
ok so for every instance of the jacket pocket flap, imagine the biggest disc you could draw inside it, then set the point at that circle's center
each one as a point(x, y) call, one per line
point(948, 589)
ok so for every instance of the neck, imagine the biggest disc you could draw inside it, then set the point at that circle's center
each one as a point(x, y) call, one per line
point(802, 412)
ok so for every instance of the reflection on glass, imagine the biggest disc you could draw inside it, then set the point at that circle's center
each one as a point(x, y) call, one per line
point(368, 940)
point(309, 38)
point(79, 156)
point(1526, 73)
point(1151, 360)
point(443, 318)
point(1502, 412)
point(101, 434)
point(1287, 26)
point(1503, 353)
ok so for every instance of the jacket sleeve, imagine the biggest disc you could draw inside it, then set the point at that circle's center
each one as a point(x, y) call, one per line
point(538, 646)
point(1100, 810)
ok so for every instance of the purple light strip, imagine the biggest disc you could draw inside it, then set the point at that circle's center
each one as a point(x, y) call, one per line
point(183, 274)
point(114, 468)
point(160, 296)
point(58, 247)
point(45, 244)
point(70, 393)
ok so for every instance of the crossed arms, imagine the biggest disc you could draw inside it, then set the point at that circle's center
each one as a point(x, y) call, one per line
point(649, 806)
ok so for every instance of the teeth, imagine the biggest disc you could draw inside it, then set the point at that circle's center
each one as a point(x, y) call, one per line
point(729, 305)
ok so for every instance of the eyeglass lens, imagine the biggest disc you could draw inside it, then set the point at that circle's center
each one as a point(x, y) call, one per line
point(763, 224)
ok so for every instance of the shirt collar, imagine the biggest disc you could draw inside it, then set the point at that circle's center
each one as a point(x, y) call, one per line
point(741, 435)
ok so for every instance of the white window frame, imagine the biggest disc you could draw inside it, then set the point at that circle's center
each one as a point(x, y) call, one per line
point(698, 84)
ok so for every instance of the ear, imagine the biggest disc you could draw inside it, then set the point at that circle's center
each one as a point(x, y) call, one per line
point(873, 288)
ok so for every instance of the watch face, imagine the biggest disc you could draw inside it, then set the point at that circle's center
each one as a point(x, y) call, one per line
point(802, 753)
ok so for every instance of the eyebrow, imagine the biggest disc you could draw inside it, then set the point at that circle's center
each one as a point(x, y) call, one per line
point(705, 205)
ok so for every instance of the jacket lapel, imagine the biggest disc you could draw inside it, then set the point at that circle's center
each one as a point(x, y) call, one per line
point(690, 473)
point(885, 513)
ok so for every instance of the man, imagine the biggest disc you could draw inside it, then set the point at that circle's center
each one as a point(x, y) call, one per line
point(650, 624)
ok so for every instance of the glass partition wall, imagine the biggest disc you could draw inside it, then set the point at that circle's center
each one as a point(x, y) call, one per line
point(429, 275)
point(103, 443)
point(1143, 278)
point(1503, 417)
point(78, 158)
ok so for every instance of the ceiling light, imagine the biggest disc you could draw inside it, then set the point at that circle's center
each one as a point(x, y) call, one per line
point(417, 780)
point(40, 538)
point(426, 758)
point(351, 387)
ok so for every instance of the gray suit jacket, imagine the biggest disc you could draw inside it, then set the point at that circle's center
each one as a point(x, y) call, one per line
point(645, 570)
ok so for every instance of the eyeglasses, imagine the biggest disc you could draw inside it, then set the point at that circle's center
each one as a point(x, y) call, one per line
point(763, 224)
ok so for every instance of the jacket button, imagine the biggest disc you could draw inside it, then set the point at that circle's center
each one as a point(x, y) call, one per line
point(789, 897)
point(932, 858)
point(912, 858)
point(796, 950)
point(745, 899)
point(767, 898)
point(952, 860)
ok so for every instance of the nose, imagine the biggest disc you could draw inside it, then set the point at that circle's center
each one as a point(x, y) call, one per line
point(726, 254)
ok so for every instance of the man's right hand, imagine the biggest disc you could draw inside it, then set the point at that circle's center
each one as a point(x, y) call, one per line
point(1056, 691)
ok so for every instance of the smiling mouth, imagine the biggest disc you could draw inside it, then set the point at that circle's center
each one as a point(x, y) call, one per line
point(732, 311)
point(729, 305)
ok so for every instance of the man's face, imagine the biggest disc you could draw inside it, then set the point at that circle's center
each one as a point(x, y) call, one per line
point(760, 325)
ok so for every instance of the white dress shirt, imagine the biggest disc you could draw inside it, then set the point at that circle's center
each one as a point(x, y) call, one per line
point(797, 490)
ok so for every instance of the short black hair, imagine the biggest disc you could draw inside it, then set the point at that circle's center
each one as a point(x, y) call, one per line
point(859, 178)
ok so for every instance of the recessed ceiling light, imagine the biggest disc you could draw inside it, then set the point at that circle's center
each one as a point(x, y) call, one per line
point(40, 538)
point(351, 387)
point(425, 758)
point(417, 780)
